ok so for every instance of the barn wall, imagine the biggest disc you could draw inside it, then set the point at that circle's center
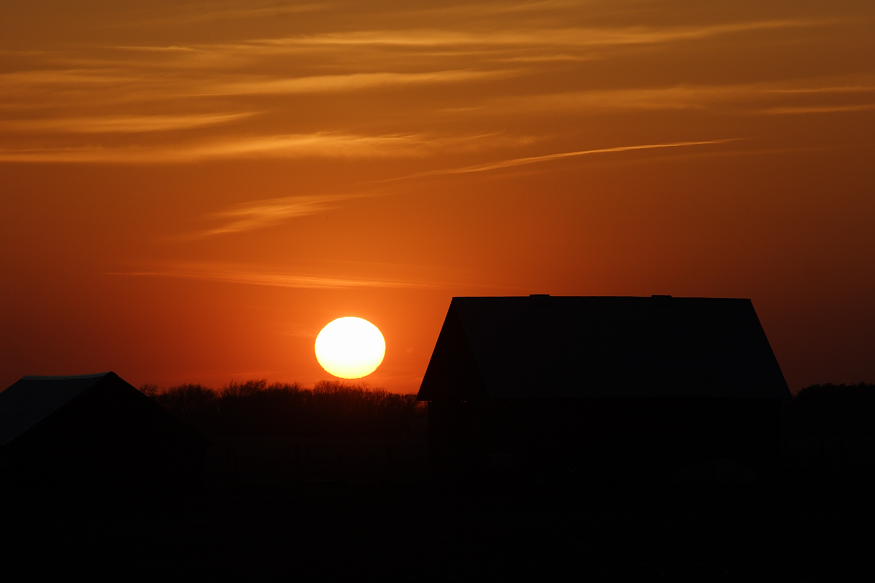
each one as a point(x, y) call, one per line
point(107, 442)
point(594, 438)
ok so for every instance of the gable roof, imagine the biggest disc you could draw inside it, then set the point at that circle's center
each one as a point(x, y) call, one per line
point(34, 398)
point(554, 346)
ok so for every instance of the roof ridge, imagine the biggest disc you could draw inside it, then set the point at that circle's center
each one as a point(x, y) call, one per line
point(563, 297)
point(66, 377)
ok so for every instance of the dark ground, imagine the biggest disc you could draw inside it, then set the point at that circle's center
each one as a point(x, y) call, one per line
point(370, 508)
point(394, 532)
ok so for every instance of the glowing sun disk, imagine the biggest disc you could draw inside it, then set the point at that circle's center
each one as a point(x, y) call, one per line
point(350, 347)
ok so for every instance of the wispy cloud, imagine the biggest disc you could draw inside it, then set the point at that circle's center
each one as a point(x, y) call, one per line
point(317, 144)
point(469, 9)
point(525, 161)
point(547, 58)
point(122, 123)
point(71, 77)
point(635, 98)
point(806, 109)
point(311, 145)
point(347, 82)
point(126, 81)
point(207, 12)
point(564, 42)
point(265, 213)
point(556, 36)
point(199, 75)
point(823, 89)
point(246, 275)
point(314, 145)
point(740, 97)
point(407, 56)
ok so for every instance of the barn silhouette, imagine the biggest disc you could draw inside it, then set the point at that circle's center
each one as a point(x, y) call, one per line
point(603, 388)
point(93, 435)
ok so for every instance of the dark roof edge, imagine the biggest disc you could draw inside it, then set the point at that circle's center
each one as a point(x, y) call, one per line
point(548, 296)
point(66, 377)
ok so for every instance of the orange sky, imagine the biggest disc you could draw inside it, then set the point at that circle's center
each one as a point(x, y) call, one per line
point(191, 190)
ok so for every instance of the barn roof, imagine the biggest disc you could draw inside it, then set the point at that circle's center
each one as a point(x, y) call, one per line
point(34, 398)
point(554, 346)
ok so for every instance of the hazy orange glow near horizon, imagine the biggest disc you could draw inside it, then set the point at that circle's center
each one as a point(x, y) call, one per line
point(191, 190)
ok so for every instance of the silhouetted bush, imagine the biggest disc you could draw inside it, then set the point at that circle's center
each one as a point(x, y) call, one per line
point(279, 431)
point(264, 431)
point(829, 432)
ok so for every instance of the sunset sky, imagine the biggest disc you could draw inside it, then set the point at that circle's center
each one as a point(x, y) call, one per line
point(191, 190)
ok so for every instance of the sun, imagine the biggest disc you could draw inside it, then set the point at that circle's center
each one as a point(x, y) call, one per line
point(350, 347)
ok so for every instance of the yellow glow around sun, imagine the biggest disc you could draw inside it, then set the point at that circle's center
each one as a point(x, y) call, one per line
point(350, 348)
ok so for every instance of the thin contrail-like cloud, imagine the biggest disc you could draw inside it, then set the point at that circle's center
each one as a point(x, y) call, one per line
point(513, 162)
point(347, 82)
point(263, 276)
point(737, 97)
point(203, 14)
point(804, 109)
point(265, 213)
point(554, 36)
point(244, 275)
point(123, 123)
point(313, 145)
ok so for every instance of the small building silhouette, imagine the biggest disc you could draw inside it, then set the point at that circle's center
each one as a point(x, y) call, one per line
point(603, 387)
point(94, 434)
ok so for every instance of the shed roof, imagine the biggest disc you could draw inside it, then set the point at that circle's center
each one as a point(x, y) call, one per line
point(34, 398)
point(592, 346)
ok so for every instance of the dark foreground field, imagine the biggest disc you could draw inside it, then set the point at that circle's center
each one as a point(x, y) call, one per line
point(344, 492)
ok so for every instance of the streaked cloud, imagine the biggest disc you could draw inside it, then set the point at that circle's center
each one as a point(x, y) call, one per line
point(121, 75)
point(464, 39)
point(207, 12)
point(260, 214)
point(647, 98)
point(243, 274)
point(548, 58)
point(314, 145)
point(469, 9)
point(317, 145)
point(311, 145)
point(122, 124)
point(527, 160)
point(805, 109)
point(157, 48)
point(348, 82)
point(739, 98)
point(824, 89)
point(70, 77)
point(228, 78)
point(554, 36)
point(265, 213)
